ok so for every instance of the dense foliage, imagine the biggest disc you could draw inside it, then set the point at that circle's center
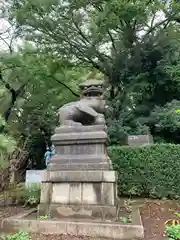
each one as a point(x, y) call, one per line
point(152, 171)
point(173, 232)
point(20, 235)
point(34, 87)
point(135, 44)
point(52, 45)
point(7, 146)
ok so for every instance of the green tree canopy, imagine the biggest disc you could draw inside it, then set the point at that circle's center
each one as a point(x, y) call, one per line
point(134, 44)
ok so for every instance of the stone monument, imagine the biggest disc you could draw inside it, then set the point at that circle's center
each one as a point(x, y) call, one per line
point(79, 180)
point(139, 140)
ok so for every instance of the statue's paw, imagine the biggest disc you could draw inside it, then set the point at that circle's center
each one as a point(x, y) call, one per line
point(100, 120)
point(77, 124)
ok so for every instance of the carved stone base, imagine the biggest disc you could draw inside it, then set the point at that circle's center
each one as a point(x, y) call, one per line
point(81, 147)
point(78, 181)
point(79, 193)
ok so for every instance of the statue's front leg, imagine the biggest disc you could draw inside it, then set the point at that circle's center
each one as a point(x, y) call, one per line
point(65, 118)
point(98, 118)
point(87, 110)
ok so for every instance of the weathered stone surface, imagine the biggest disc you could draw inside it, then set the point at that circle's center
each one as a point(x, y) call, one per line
point(81, 149)
point(68, 159)
point(94, 229)
point(43, 209)
point(75, 195)
point(89, 194)
point(45, 175)
point(107, 193)
point(79, 166)
point(60, 193)
point(75, 141)
point(81, 176)
point(89, 128)
point(139, 140)
point(109, 176)
point(68, 211)
point(91, 211)
point(46, 191)
point(102, 193)
point(75, 176)
point(80, 141)
point(79, 136)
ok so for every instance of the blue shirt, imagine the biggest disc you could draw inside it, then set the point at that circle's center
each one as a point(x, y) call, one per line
point(47, 156)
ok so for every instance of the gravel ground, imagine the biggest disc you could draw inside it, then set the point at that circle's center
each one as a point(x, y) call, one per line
point(57, 237)
point(9, 211)
point(154, 215)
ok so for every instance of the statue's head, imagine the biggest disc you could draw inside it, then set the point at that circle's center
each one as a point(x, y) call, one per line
point(92, 93)
point(92, 89)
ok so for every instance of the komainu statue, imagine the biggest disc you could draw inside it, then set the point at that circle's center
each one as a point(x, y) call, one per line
point(89, 109)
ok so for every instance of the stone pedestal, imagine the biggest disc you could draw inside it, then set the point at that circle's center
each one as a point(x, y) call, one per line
point(79, 181)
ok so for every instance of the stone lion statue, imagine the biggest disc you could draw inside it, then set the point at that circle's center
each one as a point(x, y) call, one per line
point(88, 110)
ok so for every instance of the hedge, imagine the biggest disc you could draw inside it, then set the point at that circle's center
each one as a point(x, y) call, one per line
point(151, 171)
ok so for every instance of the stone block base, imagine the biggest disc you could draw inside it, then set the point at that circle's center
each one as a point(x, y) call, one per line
point(79, 187)
point(79, 176)
point(79, 193)
point(77, 211)
point(80, 147)
point(79, 166)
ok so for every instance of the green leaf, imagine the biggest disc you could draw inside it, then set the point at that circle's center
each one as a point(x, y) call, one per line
point(124, 219)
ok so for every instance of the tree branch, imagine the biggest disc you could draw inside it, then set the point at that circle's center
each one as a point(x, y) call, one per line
point(66, 86)
point(153, 28)
point(9, 46)
point(68, 39)
point(84, 55)
point(177, 19)
point(80, 31)
point(152, 20)
point(14, 95)
point(112, 41)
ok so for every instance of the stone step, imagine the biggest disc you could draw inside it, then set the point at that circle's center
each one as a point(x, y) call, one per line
point(95, 230)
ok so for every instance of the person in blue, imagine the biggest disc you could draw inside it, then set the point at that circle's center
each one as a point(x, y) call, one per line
point(47, 156)
point(52, 149)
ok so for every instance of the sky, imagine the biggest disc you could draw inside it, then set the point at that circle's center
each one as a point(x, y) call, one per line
point(6, 31)
point(4, 25)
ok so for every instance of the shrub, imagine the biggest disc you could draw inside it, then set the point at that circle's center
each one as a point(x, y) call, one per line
point(173, 232)
point(19, 193)
point(14, 193)
point(32, 194)
point(15, 236)
point(152, 171)
point(7, 146)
